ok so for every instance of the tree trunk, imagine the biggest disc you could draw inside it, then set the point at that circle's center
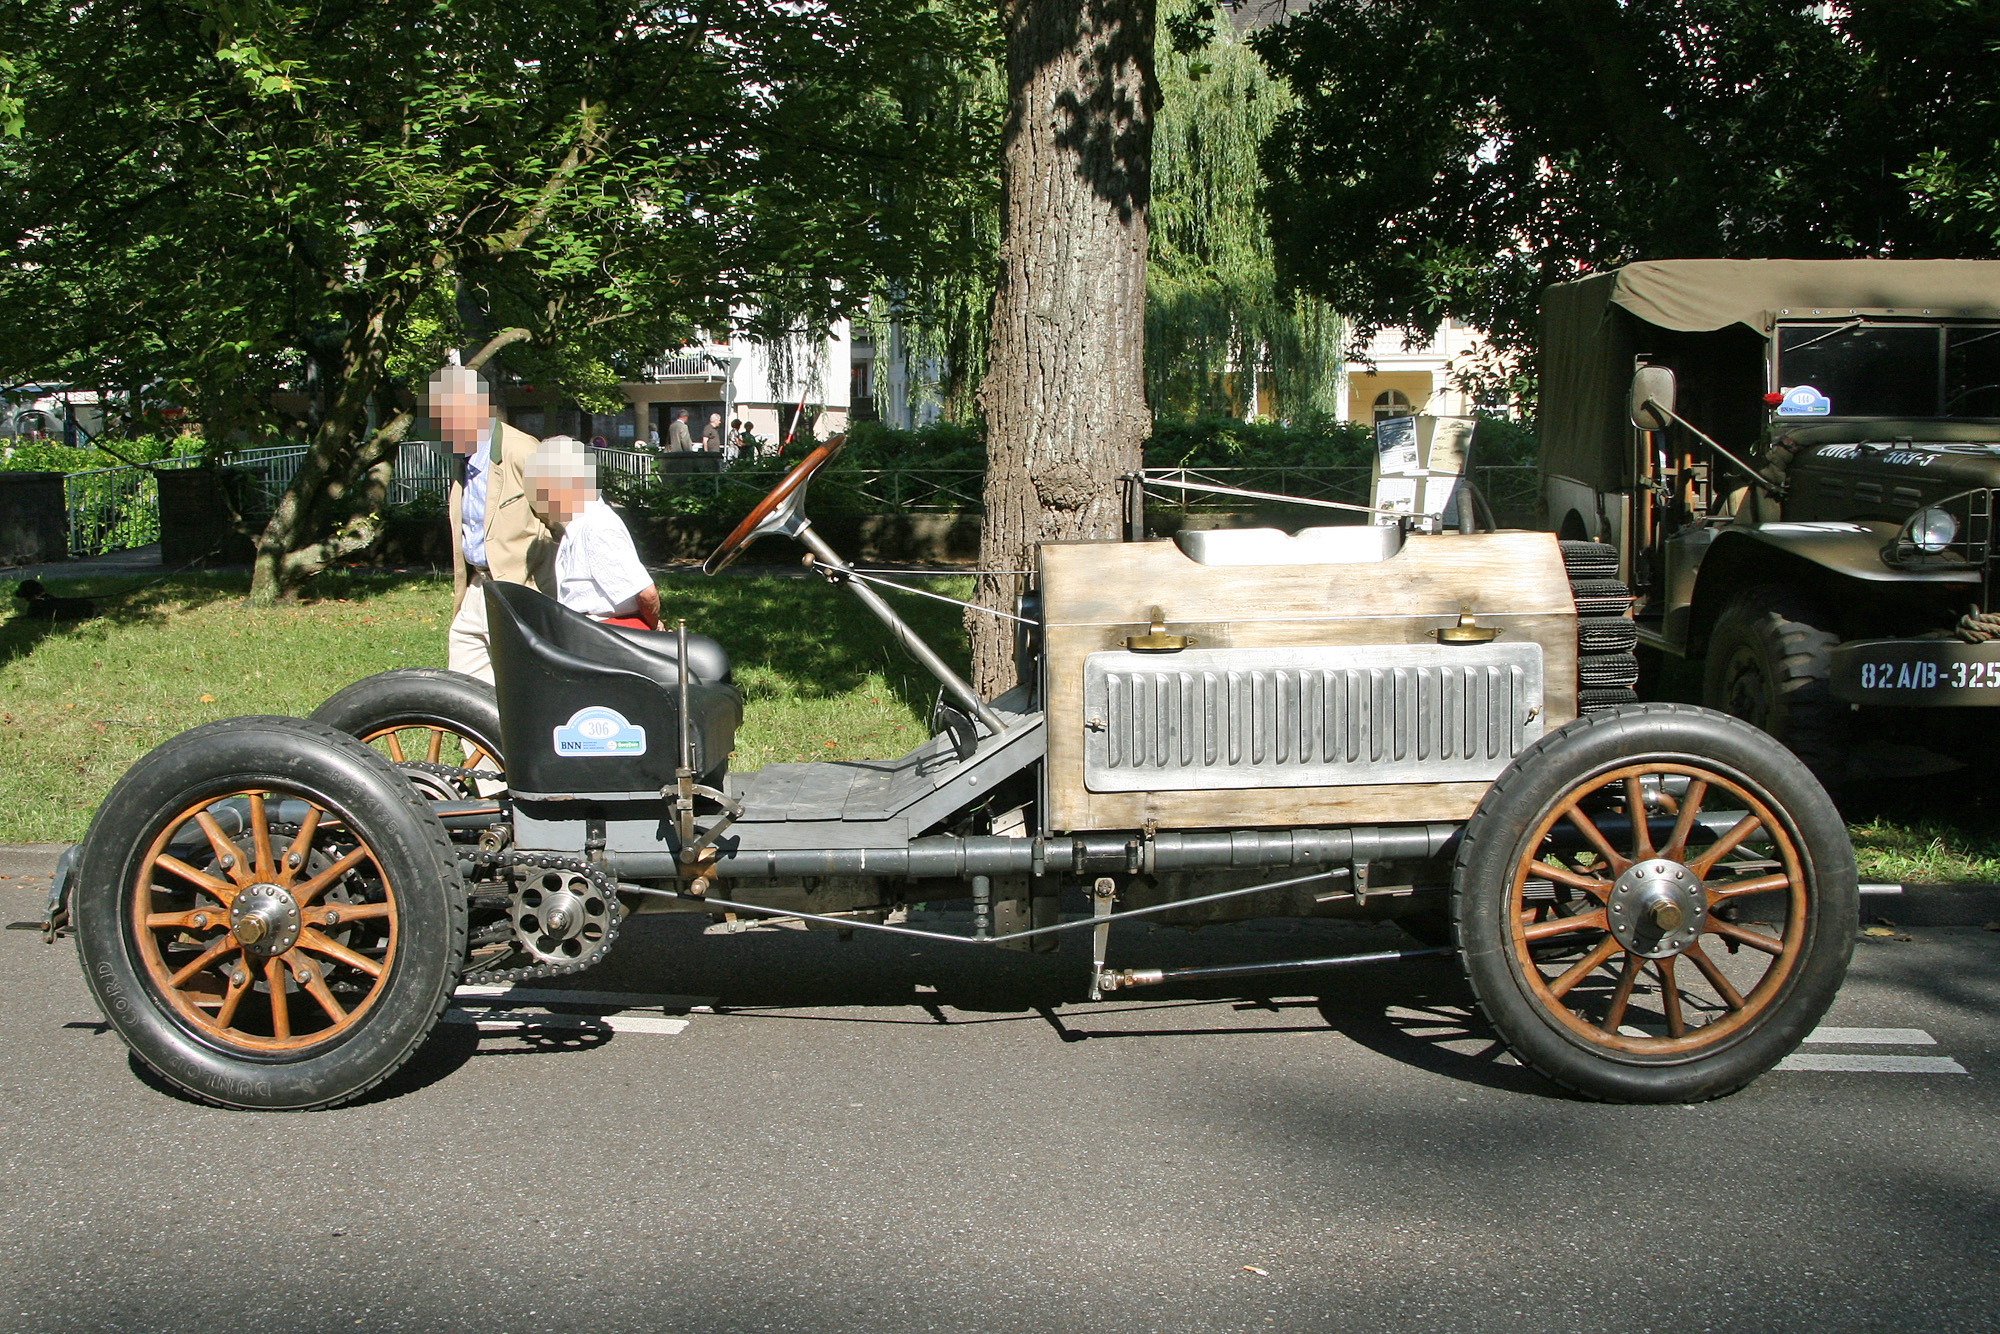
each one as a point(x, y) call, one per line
point(1065, 392)
point(333, 508)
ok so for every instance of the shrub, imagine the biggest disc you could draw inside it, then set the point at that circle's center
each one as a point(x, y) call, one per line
point(54, 456)
point(941, 444)
point(1229, 442)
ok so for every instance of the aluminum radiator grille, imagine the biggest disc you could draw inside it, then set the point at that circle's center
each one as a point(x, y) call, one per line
point(1308, 717)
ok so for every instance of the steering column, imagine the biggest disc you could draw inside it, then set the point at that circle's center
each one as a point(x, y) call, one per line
point(783, 512)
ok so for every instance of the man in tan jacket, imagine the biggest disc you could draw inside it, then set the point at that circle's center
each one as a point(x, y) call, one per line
point(494, 531)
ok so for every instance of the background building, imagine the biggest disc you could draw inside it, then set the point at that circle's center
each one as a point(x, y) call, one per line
point(739, 379)
point(1407, 381)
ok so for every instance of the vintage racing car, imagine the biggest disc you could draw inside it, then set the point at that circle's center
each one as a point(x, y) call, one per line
point(1651, 902)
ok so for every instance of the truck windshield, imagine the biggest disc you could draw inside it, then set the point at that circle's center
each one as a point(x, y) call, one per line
point(1864, 369)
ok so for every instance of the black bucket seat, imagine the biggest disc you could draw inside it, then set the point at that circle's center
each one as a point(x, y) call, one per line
point(593, 710)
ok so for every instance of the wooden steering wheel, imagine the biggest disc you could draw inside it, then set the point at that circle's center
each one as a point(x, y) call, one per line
point(754, 522)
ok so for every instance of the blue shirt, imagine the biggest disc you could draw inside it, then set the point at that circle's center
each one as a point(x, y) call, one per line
point(472, 509)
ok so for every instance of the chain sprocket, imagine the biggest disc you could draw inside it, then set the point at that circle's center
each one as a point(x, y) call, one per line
point(530, 958)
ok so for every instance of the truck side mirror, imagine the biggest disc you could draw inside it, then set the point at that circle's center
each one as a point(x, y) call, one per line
point(1651, 405)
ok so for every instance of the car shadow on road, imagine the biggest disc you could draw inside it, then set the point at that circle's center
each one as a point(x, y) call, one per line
point(1440, 1031)
point(1417, 1013)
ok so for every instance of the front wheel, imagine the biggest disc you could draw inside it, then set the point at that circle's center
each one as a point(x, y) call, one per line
point(1655, 904)
point(1770, 663)
point(268, 914)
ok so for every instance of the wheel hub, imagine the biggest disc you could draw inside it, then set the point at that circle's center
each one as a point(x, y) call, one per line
point(1657, 908)
point(265, 919)
point(562, 915)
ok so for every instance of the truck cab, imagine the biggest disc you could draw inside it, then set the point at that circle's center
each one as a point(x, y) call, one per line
point(1796, 462)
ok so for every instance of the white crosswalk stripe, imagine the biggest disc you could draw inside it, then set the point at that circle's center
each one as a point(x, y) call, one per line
point(518, 994)
point(1874, 1037)
point(504, 1008)
point(1872, 1063)
point(510, 1021)
point(499, 1009)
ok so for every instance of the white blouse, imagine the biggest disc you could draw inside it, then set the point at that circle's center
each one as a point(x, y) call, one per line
point(598, 571)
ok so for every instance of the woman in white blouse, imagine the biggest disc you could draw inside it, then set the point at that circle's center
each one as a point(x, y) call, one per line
point(598, 571)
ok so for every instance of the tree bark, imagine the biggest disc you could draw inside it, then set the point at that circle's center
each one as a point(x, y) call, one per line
point(332, 509)
point(1065, 393)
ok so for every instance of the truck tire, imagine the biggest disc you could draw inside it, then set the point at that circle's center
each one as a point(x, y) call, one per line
point(1770, 663)
point(1587, 936)
point(1606, 670)
point(268, 914)
point(1589, 560)
point(1606, 634)
point(421, 713)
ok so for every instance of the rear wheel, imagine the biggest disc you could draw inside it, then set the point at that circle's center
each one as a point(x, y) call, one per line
point(1770, 663)
point(421, 715)
point(268, 914)
point(1655, 904)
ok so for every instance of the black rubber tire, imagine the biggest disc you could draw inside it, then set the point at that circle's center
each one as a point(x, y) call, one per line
point(1607, 671)
point(1605, 634)
point(1491, 847)
point(1600, 597)
point(1589, 560)
point(366, 791)
point(1770, 663)
point(417, 697)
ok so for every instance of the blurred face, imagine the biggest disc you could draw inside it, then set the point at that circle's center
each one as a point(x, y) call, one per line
point(460, 406)
point(561, 499)
point(715, 419)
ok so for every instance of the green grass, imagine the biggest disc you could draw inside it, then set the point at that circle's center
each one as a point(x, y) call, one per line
point(1951, 847)
point(821, 680)
point(80, 701)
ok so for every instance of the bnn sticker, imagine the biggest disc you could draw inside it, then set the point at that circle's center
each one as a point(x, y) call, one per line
point(596, 730)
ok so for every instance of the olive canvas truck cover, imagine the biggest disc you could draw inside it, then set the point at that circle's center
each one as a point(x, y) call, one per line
point(1593, 328)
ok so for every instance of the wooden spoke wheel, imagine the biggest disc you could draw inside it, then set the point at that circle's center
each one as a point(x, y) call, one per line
point(274, 938)
point(422, 715)
point(1637, 955)
point(433, 743)
point(1656, 903)
point(269, 914)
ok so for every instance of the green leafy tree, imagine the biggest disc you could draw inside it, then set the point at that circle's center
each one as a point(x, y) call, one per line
point(1218, 324)
point(1453, 157)
point(939, 325)
point(241, 205)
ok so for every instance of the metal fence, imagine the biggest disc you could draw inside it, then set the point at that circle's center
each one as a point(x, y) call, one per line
point(111, 509)
point(423, 468)
point(695, 366)
point(1511, 491)
point(114, 508)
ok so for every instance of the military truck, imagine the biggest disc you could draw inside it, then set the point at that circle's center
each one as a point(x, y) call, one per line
point(1796, 463)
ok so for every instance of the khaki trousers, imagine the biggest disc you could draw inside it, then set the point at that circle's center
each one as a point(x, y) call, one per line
point(466, 645)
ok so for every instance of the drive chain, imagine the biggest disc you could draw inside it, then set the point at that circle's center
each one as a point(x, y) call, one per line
point(600, 880)
point(466, 780)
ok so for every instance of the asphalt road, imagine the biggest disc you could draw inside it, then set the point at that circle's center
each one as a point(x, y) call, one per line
point(879, 1136)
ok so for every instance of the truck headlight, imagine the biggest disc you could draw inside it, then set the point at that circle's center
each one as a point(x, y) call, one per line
point(1930, 530)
